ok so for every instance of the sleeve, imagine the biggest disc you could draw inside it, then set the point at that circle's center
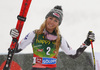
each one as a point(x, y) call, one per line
point(72, 53)
point(27, 40)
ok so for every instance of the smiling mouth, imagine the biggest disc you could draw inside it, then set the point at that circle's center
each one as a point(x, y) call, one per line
point(50, 25)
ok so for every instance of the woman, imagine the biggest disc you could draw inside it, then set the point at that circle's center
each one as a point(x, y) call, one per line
point(47, 40)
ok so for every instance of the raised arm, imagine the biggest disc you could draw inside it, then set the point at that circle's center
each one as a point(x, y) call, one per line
point(75, 53)
point(24, 42)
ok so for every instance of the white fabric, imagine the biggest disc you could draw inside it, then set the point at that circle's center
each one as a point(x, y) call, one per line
point(66, 48)
point(27, 40)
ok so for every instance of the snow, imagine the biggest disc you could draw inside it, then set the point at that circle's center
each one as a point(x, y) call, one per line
point(80, 16)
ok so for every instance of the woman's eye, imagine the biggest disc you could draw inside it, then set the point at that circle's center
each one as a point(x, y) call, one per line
point(55, 20)
point(50, 18)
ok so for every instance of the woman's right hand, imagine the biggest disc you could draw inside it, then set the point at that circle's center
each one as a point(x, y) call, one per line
point(14, 33)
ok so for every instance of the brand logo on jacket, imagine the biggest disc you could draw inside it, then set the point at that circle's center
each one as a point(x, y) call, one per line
point(40, 50)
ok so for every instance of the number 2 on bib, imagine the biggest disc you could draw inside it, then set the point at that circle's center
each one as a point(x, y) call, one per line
point(48, 48)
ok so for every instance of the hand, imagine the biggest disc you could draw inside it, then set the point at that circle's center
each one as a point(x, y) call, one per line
point(14, 33)
point(90, 36)
point(16, 50)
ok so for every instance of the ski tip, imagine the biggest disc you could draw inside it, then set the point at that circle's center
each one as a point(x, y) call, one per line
point(14, 66)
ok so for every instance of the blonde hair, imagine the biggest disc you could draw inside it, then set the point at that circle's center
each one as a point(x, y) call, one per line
point(40, 31)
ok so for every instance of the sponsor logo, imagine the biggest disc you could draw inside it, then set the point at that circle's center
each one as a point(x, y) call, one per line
point(56, 14)
point(41, 60)
point(40, 50)
point(38, 46)
point(26, 36)
point(45, 41)
point(49, 61)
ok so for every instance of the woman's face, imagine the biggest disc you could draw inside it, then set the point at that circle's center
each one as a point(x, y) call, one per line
point(51, 23)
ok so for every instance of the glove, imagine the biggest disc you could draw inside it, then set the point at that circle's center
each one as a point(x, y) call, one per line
point(16, 50)
point(14, 33)
point(90, 36)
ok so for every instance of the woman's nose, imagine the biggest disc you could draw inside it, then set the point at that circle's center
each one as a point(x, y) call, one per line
point(52, 21)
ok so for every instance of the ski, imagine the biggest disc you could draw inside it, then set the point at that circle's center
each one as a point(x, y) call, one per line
point(21, 19)
point(14, 65)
